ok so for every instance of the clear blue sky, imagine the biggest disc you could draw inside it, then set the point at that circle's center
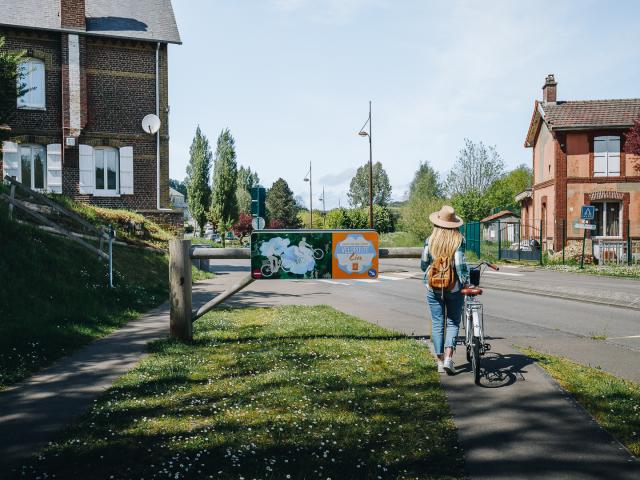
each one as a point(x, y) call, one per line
point(292, 79)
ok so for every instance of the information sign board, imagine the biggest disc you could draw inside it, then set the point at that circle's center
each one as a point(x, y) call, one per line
point(314, 254)
point(584, 226)
point(588, 212)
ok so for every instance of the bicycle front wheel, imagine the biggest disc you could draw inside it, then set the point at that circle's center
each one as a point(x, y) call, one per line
point(475, 360)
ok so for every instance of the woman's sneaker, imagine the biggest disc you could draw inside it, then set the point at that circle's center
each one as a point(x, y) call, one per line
point(440, 366)
point(448, 366)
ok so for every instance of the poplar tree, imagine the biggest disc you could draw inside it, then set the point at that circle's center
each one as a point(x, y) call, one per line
point(198, 171)
point(224, 204)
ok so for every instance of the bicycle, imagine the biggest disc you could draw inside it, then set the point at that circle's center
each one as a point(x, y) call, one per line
point(473, 320)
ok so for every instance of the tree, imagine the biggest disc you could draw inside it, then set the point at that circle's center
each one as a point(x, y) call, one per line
point(632, 144)
point(426, 183)
point(359, 187)
point(243, 226)
point(471, 205)
point(415, 215)
point(247, 178)
point(501, 194)
point(281, 206)
point(198, 171)
point(224, 204)
point(382, 219)
point(179, 186)
point(337, 218)
point(245, 181)
point(475, 169)
point(11, 84)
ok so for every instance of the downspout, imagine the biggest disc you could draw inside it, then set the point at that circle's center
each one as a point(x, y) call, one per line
point(62, 143)
point(158, 132)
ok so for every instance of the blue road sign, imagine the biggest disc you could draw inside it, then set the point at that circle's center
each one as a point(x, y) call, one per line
point(588, 212)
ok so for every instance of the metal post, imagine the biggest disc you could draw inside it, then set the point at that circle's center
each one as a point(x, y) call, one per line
point(370, 171)
point(500, 240)
point(111, 236)
point(541, 242)
point(584, 241)
point(310, 198)
point(564, 237)
point(519, 241)
point(629, 244)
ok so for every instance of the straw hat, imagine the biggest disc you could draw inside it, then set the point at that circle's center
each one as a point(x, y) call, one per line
point(446, 218)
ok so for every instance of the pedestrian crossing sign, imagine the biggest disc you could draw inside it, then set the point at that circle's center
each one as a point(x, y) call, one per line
point(588, 212)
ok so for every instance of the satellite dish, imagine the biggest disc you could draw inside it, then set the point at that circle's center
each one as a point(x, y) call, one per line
point(151, 123)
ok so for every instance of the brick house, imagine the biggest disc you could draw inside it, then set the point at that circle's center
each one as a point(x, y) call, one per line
point(96, 69)
point(579, 159)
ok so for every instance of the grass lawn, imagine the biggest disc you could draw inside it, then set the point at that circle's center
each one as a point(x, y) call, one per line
point(55, 296)
point(613, 402)
point(400, 239)
point(278, 393)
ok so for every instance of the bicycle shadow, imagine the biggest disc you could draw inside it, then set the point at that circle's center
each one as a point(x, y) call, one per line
point(498, 370)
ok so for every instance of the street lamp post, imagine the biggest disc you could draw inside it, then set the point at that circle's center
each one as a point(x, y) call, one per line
point(362, 133)
point(308, 178)
point(324, 210)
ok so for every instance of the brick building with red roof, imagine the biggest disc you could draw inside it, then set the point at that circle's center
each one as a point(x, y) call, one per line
point(579, 159)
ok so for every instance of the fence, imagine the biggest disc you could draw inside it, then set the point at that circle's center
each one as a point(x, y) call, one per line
point(499, 240)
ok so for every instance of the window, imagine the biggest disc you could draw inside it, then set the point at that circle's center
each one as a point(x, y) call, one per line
point(107, 171)
point(607, 219)
point(33, 166)
point(31, 74)
point(606, 156)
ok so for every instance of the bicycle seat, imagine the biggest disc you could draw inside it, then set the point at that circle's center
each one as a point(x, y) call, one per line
point(471, 291)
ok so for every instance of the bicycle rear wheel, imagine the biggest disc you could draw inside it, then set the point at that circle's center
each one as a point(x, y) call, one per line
point(475, 360)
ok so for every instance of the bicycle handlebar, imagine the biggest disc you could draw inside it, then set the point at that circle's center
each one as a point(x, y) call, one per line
point(490, 265)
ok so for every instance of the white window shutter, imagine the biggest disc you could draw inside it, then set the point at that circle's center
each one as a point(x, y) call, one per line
point(87, 170)
point(613, 165)
point(126, 170)
point(599, 164)
point(54, 168)
point(11, 160)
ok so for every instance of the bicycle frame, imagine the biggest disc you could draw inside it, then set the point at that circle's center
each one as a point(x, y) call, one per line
point(473, 321)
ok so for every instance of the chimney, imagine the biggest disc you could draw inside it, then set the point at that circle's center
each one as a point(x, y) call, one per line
point(72, 14)
point(549, 89)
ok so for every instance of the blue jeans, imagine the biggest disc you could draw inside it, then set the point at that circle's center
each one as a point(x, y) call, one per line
point(454, 303)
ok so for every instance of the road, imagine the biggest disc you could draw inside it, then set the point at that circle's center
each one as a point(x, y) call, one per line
point(522, 425)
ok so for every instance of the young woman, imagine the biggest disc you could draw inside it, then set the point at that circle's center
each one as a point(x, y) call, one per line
point(445, 247)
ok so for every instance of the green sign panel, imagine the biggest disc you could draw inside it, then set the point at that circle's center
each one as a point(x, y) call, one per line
point(258, 196)
point(314, 254)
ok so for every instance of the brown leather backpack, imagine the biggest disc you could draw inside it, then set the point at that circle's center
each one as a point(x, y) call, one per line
point(441, 274)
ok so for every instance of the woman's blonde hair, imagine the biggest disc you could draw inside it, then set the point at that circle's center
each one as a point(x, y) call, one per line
point(444, 242)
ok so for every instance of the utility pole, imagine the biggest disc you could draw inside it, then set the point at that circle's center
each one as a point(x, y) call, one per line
point(363, 133)
point(309, 179)
point(370, 172)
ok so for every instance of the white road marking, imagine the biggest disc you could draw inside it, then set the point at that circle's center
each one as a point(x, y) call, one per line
point(503, 273)
point(622, 338)
point(333, 282)
point(368, 280)
point(388, 277)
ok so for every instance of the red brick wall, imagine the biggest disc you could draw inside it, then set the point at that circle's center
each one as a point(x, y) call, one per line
point(120, 90)
point(72, 14)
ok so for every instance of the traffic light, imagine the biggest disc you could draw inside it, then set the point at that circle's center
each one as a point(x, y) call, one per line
point(258, 195)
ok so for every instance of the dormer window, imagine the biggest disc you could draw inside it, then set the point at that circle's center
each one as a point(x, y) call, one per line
point(606, 156)
point(31, 74)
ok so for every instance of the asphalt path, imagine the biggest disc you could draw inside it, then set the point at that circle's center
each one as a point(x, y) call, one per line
point(519, 424)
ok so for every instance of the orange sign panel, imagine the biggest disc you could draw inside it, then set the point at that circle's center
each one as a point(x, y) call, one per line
point(355, 254)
